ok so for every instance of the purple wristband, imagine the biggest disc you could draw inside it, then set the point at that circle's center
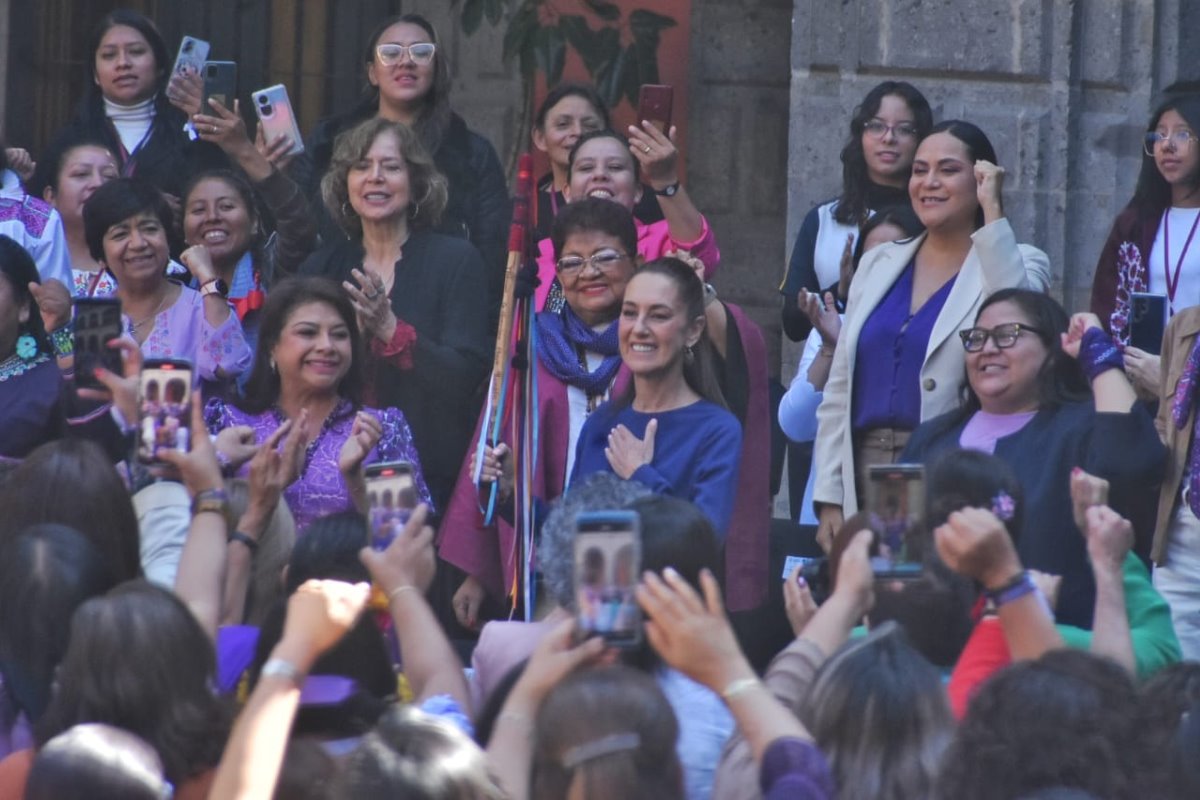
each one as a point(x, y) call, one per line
point(1098, 353)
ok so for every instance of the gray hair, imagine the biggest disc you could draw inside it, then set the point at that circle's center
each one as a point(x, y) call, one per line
point(555, 556)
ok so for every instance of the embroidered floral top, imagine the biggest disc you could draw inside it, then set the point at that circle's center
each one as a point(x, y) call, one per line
point(182, 331)
point(320, 490)
point(85, 283)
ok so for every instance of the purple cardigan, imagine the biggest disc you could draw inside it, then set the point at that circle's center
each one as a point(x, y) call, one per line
point(320, 490)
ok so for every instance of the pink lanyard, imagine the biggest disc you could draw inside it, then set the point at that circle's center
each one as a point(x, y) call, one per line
point(1173, 280)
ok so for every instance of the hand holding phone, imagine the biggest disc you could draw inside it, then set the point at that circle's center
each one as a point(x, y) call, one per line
point(192, 54)
point(277, 118)
point(220, 84)
point(608, 563)
point(165, 404)
point(97, 322)
point(654, 105)
point(391, 498)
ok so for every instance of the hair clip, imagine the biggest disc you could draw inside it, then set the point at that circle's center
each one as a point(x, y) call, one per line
point(598, 748)
point(1003, 506)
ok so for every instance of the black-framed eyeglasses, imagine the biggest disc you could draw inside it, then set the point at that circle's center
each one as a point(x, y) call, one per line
point(603, 260)
point(1181, 139)
point(391, 53)
point(1005, 336)
point(877, 129)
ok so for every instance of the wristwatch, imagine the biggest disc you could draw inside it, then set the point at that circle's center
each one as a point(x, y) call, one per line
point(668, 191)
point(214, 286)
point(215, 501)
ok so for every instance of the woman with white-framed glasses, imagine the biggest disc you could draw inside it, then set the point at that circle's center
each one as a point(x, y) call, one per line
point(408, 81)
point(1152, 247)
point(1028, 403)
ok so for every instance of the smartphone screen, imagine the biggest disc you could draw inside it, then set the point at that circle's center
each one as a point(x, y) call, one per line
point(165, 406)
point(220, 84)
point(897, 502)
point(608, 563)
point(97, 322)
point(1147, 321)
point(391, 498)
point(192, 54)
point(654, 105)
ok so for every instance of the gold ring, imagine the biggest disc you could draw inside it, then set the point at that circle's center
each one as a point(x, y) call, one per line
point(646, 148)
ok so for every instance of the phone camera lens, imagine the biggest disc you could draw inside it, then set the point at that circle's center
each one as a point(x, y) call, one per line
point(262, 100)
point(266, 109)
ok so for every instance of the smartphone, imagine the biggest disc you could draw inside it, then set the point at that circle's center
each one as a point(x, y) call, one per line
point(391, 498)
point(97, 322)
point(164, 408)
point(220, 84)
point(1147, 321)
point(896, 495)
point(607, 567)
point(654, 105)
point(275, 112)
point(192, 54)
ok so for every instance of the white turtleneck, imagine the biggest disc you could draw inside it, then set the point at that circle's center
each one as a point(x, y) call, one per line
point(132, 122)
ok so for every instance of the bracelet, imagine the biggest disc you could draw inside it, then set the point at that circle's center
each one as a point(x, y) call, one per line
point(1015, 589)
point(64, 340)
point(214, 500)
point(246, 539)
point(279, 668)
point(740, 686)
point(394, 593)
point(1098, 353)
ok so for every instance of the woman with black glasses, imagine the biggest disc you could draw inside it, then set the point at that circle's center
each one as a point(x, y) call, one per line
point(1152, 246)
point(1028, 371)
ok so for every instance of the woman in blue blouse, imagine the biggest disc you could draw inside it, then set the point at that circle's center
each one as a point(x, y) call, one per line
point(672, 432)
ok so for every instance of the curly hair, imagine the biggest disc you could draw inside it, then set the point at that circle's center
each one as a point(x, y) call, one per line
point(427, 187)
point(1069, 719)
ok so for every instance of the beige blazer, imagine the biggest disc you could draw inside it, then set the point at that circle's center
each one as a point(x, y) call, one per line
point(994, 262)
point(1178, 340)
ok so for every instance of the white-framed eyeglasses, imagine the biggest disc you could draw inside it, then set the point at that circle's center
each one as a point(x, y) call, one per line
point(602, 260)
point(1181, 140)
point(392, 53)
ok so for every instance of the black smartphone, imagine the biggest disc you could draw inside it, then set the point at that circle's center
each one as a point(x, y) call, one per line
point(1147, 321)
point(896, 495)
point(607, 567)
point(164, 408)
point(391, 498)
point(97, 322)
point(220, 84)
point(654, 105)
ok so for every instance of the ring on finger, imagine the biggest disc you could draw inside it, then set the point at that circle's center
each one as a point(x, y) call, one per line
point(646, 148)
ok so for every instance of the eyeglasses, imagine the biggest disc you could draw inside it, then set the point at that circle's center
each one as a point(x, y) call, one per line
point(603, 260)
point(1181, 140)
point(391, 54)
point(877, 129)
point(1005, 336)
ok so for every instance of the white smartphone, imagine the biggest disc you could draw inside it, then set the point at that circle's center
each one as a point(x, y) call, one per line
point(275, 112)
point(193, 53)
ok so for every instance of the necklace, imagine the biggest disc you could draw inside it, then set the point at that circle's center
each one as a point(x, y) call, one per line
point(135, 326)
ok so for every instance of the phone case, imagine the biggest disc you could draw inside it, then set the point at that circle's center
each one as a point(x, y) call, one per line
point(275, 112)
point(654, 104)
point(608, 563)
point(164, 408)
point(220, 84)
point(97, 322)
point(193, 53)
point(1147, 321)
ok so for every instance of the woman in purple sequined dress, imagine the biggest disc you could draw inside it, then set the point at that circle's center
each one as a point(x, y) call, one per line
point(309, 369)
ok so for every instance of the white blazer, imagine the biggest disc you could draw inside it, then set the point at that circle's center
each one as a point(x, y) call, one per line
point(994, 262)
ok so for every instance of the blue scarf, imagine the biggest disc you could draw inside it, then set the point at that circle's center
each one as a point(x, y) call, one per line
point(563, 335)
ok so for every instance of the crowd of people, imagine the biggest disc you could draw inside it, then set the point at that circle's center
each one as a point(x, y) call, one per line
point(199, 598)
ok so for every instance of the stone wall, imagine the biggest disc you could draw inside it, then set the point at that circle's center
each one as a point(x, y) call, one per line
point(1063, 89)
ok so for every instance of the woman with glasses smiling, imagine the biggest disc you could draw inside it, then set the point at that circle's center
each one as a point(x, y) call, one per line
point(408, 78)
point(1027, 402)
point(1152, 246)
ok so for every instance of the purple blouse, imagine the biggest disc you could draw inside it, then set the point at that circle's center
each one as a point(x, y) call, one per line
point(182, 331)
point(795, 769)
point(320, 490)
point(891, 352)
point(983, 429)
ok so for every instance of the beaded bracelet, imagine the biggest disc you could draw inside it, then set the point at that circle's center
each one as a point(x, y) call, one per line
point(63, 340)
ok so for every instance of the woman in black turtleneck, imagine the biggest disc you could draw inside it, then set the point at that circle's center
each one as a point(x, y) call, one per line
point(876, 163)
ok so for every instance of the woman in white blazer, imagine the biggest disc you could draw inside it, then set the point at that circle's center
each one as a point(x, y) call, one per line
point(898, 361)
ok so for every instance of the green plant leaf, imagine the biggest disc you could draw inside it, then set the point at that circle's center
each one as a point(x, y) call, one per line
point(609, 76)
point(472, 15)
point(550, 49)
point(604, 10)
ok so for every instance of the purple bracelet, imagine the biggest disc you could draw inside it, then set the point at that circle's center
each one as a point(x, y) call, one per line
point(1098, 353)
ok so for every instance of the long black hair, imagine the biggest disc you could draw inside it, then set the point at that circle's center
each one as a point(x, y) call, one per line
point(1153, 194)
point(92, 104)
point(17, 267)
point(852, 204)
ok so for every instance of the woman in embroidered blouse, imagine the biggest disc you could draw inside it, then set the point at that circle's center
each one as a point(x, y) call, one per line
point(897, 362)
point(67, 175)
point(309, 370)
point(605, 164)
point(1151, 247)
point(126, 222)
point(421, 297)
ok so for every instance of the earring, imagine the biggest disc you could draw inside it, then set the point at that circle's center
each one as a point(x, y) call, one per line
point(26, 347)
point(273, 368)
point(689, 355)
point(416, 209)
point(347, 209)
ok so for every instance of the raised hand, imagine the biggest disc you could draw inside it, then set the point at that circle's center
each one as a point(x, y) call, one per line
point(408, 561)
point(974, 542)
point(626, 452)
point(372, 305)
point(364, 435)
point(989, 183)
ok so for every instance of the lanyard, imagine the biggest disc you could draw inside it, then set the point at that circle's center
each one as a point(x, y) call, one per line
point(1173, 280)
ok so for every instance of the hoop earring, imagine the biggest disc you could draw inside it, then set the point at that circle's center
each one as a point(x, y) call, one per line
point(27, 348)
point(415, 210)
